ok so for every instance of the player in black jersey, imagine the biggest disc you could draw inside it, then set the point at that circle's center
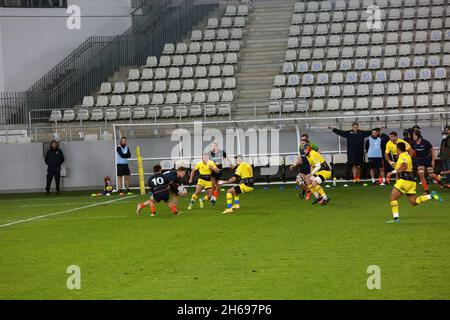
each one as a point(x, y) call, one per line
point(218, 156)
point(162, 185)
point(424, 159)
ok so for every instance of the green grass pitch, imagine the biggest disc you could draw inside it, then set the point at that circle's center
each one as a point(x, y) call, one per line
point(276, 247)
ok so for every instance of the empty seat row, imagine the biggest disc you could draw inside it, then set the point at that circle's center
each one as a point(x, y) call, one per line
point(362, 39)
point(112, 114)
point(241, 10)
point(362, 64)
point(159, 98)
point(226, 22)
point(192, 59)
point(366, 90)
point(365, 77)
point(341, 5)
point(406, 36)
point(371, 64)
point(221, 34)
point(364, 51)
point(172, 85)
point(197, 47)
point(185, 72)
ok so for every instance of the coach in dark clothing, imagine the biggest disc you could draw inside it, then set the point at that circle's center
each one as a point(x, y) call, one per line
point(53, 159)
point(355, 148)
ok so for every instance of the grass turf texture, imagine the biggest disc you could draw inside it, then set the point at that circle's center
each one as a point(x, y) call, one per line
point(276, 247)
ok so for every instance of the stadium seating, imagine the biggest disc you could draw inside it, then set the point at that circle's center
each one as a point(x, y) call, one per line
point(198, 71)
point(335, 59)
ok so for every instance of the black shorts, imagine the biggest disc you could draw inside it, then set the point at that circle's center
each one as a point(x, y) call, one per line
point(423, 162)
point(217, 176)
point(375, 163)
point(161, 196)
point(305, 168)
point(355, 159)
point(123, 170)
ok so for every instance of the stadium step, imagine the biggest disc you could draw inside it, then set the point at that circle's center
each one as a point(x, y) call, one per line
point(263, 55)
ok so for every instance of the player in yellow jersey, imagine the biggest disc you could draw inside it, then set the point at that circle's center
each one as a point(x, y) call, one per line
point(320, 172)
point(205, 167)
point(390, 154)
point(406, 183)
point(243, 173)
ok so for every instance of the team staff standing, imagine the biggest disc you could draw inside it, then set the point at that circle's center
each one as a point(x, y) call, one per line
point(53, 159)
point(123, 170)
point(355, 148)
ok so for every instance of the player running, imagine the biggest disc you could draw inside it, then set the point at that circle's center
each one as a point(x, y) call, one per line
point(205, 167)
point(406, 183)
point(244, 175)
point(424, 159)
point(218, 156)
point(162, 185)
point(390, 154)
point(320, 172)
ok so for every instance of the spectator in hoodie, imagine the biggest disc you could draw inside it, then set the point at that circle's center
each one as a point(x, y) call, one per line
point(53, 159)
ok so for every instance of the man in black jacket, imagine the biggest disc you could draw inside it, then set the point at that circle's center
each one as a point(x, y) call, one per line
point(355, 148)
point(53, 159)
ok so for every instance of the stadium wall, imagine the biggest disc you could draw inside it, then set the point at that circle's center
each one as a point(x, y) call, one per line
point(23, 169)
point(32, 45)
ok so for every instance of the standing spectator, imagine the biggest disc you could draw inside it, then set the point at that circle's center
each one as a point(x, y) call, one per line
point(444, 154)
point(355, 148)
point(122, 155)
point(375, 155)
point(53, 159)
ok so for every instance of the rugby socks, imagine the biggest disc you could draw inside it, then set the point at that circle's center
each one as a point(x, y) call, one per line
point(423, 199)
point(425, 185)
point(229, 200)
point(394, 208)
point(216, 194)
point(174, 209)
point(314, 191)
point(193, 198)
point(320, 190)
point(236, 199)
point(152, 208)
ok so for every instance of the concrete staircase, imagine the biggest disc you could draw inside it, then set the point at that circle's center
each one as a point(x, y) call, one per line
point(263, 55)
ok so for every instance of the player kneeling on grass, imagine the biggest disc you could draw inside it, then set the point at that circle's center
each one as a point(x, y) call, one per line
point(320, 172)
point(243, 173)
point(205, 167)
point(406, 183)
point(162, 186)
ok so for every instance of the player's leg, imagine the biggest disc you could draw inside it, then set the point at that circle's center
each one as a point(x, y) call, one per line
point(372, 174)
point(301, 182)
point(421, 174)
point(395, 194)
point(49, 181)
point(232, 192)
point(382, 178)
point(210, 196)
point(355, 173)
point(151, 202)
point(215, 188)
point(119, 183)
point(171, 203)
point(319, 193)
point(434, 176)
point(194, 197)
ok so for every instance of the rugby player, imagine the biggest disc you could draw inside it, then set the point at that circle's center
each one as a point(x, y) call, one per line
point(320, 172)
point(218, 156)
point(205, 167)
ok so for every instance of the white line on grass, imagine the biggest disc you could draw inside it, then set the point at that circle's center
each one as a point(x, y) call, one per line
point(61, 212)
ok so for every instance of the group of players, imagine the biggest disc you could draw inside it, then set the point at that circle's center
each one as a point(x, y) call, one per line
point(313, 172)
point(167, 186)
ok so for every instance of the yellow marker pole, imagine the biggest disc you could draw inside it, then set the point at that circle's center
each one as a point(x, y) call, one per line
point(140, 171)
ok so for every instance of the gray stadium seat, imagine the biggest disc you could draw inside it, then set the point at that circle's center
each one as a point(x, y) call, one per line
point(153, 112)
point(88, 102)
point(151, 62)
point(83, 114)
